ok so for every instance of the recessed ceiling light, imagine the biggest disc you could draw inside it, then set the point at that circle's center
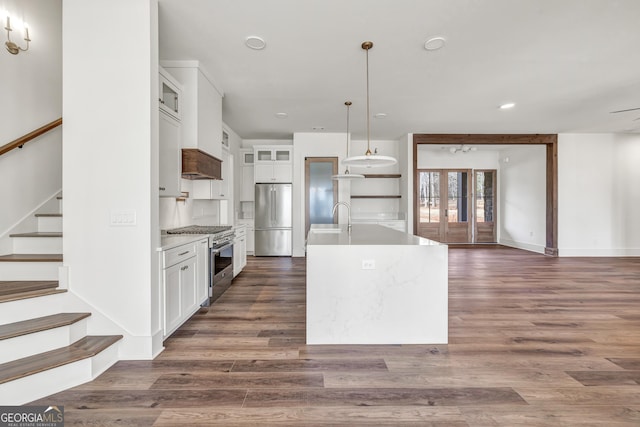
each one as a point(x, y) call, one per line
point(435, 43)
point(380, 115)
point(318, 128)
point(507, 106)
point(282, 115)
point(255, 42)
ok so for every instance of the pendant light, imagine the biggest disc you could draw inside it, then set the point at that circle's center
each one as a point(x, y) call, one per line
point(369, 159)
point(347, 174)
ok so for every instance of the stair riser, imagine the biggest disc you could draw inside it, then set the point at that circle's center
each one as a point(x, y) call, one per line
point(37, 386)
point(37, 245)
point(25, 309)
point(50, 224)
point(39, 342)
point(29, 270)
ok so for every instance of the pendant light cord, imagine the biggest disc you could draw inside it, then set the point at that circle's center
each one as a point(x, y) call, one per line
point(368, 153)
point(348, 104)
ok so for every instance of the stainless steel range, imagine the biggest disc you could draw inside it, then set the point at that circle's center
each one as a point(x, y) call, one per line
point(220, 255)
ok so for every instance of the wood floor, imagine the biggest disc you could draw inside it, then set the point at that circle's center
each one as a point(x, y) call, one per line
point(533, 341)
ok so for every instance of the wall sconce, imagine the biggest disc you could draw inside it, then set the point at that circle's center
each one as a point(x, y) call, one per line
point(13, 48)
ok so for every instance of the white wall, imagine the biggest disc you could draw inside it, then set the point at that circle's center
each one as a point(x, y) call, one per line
point(110, 164)
point(31, 86)
point(599, 194)
point(522, 197)
point(435, 157)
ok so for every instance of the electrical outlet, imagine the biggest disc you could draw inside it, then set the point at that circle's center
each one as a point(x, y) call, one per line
point(368, 264)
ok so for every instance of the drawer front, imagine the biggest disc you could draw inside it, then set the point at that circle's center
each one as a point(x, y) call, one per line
point(178, 254)
point(240, 231)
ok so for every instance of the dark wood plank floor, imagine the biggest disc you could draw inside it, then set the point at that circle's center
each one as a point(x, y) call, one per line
point(533, 341)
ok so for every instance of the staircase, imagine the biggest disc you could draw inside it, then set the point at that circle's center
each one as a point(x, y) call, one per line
point(47, 353)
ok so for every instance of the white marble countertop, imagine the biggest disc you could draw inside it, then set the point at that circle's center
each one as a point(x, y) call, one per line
point(169, 241)
point(362, 234)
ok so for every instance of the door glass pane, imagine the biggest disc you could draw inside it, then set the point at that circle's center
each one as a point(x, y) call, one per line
point(457, 197)
point(264, 155)
point(320, 192)
point(429, 197)
point(169, 97)
point(484, 196)
point(283, 155)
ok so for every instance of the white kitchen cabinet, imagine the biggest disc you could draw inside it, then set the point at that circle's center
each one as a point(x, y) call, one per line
point(247, 191)
point(239, 249)
point(213, 189)
point(202, 281)
point(247, 157)
point(246, 176)
point(273, 163)
point(170, 164)
point(251, 241)
point(201, 107)
point(172, 308)
point(179, 286)
point(170, 93)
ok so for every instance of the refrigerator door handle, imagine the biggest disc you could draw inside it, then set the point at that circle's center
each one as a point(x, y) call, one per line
point(273, 205)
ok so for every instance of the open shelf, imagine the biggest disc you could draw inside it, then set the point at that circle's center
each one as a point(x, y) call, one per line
point(377, 197)
point(383, 175)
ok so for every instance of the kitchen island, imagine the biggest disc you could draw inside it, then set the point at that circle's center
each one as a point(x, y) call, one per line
point(375, 285)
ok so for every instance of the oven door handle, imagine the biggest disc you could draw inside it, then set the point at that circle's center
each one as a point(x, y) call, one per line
point(220, 249)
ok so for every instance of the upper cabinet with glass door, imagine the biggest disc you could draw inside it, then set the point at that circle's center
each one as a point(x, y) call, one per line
point(170, 95)
point(273, 163)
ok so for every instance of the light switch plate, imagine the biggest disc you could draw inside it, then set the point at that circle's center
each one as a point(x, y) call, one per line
point(122, 217)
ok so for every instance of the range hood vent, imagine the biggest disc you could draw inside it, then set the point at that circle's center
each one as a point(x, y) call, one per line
point(196, 164)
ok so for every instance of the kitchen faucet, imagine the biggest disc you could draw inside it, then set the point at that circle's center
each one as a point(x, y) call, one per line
point(335, 207)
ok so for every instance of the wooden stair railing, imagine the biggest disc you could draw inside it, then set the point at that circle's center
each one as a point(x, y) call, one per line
point(28, 137)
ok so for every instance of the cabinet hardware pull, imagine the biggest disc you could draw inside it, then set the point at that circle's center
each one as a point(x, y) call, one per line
point(184, 268)
point(162, 188)
point(183, 253)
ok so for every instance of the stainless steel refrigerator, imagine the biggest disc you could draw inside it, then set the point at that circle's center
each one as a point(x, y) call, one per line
point(273, 224)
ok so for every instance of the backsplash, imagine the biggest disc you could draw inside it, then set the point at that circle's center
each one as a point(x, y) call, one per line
point(173, 213)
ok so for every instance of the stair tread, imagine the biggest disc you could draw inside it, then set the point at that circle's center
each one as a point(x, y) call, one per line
point(40, 324)
point(31, 258)
point(84, 348)
point(38, 234)
point(18, 286)
point(30, 294)
point(49, 215)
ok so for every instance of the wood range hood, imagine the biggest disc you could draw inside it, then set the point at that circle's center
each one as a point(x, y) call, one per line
point(196, 164)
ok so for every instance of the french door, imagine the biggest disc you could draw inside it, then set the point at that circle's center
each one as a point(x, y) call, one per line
point(450, 211)
point(444, 208)
point(485, 206)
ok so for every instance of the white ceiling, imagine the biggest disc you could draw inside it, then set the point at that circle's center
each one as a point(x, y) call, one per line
point(565, 63)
